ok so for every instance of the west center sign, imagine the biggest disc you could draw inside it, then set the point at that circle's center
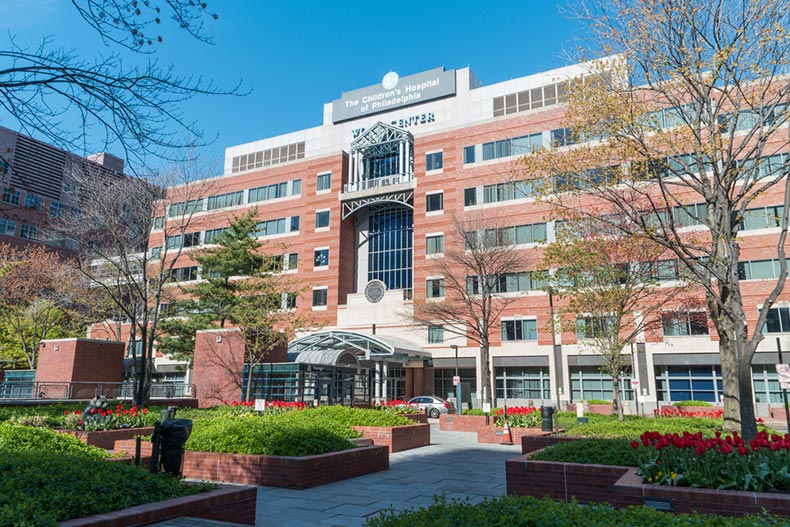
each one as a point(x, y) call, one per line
point(394, 92)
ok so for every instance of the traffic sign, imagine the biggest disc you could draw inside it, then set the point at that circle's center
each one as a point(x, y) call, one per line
point(456, 380)
point(635, 383)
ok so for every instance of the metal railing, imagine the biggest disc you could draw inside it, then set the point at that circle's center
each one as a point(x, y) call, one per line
point(387, 181)
point(89, 390)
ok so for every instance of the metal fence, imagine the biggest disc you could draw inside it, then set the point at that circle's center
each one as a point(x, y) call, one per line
point(89, 390)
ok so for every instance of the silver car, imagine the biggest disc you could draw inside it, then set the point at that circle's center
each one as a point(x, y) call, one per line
point(434, 406)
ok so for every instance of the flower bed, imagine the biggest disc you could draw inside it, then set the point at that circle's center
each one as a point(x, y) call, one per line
point(622, 487)
point(229, 504)
point(293, 472)
point(397, 438)
point(690, 411)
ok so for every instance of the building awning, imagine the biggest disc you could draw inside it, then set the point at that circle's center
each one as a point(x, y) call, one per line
point(362, 345)
point(325, 357)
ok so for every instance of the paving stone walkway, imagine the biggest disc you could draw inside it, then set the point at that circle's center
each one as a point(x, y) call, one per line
point(454, 464)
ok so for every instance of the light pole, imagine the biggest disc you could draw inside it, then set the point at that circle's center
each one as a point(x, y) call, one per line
point(458, 384)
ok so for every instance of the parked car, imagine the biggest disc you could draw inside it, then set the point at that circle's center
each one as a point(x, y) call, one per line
point(433, 405)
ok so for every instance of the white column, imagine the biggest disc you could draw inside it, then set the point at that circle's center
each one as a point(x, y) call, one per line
point(407, 163)
point(377, 388)
point(384, 381)
point(401, 158)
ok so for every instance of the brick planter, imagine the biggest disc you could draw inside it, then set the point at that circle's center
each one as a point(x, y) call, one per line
point(421, 418)
point(601, 409)
point(496, 434)
point(230, 504)
point(276, 471)
point(106, 438)
point(621, 487)
point(705, 410)
point(397, 438)
point(463, 423)
point(531, 443)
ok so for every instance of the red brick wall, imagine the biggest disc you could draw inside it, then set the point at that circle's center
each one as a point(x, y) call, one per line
point(80, 360)
point(275, 471)
point(463, 423)
point(495, 434)
point(106, 438)
point(621, 487)
point(230, 504)
point(218, 367)
point(397, 438)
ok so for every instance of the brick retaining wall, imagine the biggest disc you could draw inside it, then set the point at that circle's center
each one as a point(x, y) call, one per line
point(106, 438)
point(463, 423)
point(621, 487)
point(397, 438)
point(276, 471)
point(230, 504)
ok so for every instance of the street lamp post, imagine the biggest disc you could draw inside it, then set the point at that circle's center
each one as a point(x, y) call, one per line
point(458, 384)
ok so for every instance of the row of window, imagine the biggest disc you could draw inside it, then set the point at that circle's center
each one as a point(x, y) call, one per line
point(268, 157)
point(674, 383)
point(231, 199)
point(539, 97)
point(56, 209)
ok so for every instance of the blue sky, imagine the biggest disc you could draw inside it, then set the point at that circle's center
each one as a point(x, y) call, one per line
point(293, 56)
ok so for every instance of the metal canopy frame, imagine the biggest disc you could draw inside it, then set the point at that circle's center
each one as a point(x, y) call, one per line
point(404, 198)
point(379, 138)
point(372, 347)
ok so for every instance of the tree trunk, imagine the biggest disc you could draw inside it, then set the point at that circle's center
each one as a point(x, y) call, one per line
point(748, 423)
point(248, 391)
point(730, 376)
point(485, 360)
point(617, 404)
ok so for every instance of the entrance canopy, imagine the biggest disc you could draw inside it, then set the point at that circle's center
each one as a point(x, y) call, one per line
point(364, 346)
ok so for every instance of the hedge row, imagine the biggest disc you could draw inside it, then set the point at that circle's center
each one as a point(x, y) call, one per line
point(525, 511)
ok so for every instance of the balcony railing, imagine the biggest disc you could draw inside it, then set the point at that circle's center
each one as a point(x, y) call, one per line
point(89, 390)
point(378, 182)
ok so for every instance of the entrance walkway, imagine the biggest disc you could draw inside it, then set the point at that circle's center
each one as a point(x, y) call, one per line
point(454, 464)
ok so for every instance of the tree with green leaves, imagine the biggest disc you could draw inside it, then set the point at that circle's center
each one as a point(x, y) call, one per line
point(611, 288)
point(682, 131)
point(243, 287)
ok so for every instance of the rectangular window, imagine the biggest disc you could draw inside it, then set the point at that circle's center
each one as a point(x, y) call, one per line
point(57, 209)
point(434, 288)
point(434, 202)
point(28, 232)
point(323, 182)
point(434, 244)
point(684, 323)
point(32, 202)
point(173, 242)
point(11, 196)
point(470, 197)
point(758, 269)
point(322, 219)
point(469, 154)
point(588, 382)
point(274, 191)
point(184, 274)
point(296, 187)
point(294, 223)
point(684, 383)
point(210, 235)
point(778, 320)
point(7, 227)
point(594, 327)
point(191, 239)
point(156, 252)
point(320, 297)
point(435, 334)
point(519, 330)
point(159, 223)
point(291, 261)
point(221, 201)
point(434, 161)
point(763, 218)
point(523, 382)
point(321, 257)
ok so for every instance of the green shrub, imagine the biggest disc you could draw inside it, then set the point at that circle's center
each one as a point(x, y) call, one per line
point(357, 416)
point(633, 426)
point(19, 438)
point(479, 411)
point(598, 401)
point(616, 452)
point(691, 403)
point(289, 434)
point(525, 511)
point(42, 488)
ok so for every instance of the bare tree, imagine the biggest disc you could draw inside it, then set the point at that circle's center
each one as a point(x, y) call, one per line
point(127, 105)
point(686, 126)
point(119, 256)
point(479, 258)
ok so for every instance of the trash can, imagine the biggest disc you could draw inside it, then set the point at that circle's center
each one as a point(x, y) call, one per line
point(173, 435)
point(547, 422)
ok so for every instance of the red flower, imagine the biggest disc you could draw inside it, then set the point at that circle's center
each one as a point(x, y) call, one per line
point(634, 445)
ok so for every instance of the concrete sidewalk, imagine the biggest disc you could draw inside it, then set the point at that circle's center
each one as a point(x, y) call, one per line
point(454, 464)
